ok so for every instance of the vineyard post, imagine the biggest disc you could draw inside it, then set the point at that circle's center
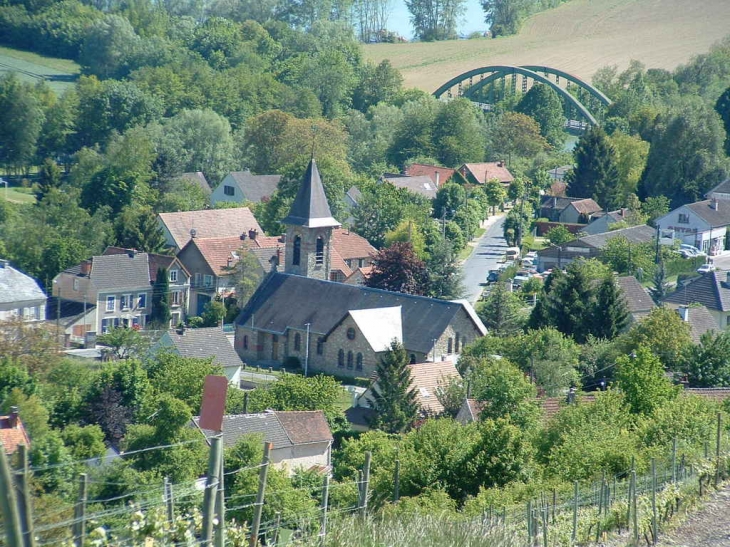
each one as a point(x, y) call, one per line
point(211, 482)
point(8, 504)
point(325, 504)
point(529, 522)
point(717, 449)
point(277, 527)
point(575, 513)
point(365, 485)
point(555, 499)
point(79, 527)
point(654, 522)
point(545, 526)
point(674, 460)
point(169, 502)
point(220, 506)
point(24, 507)
point(396, 482)
point(258, 508)
point(634, 507)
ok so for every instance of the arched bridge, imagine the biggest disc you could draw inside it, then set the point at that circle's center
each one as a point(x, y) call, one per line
point(581, 101)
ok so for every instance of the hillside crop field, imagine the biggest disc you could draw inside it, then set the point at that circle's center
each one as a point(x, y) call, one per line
point(578, 37)
point(31, 67)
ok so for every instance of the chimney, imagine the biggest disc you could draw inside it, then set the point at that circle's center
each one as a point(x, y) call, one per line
point(86, 268)
point(714, 204)
point(242, 237)
point(131, 253)
point(181, 330)
point(683, 312)
point(253, 233)
point(13, 417)
point(571, 396)
point(193, 233)
point(438, 179)
point(727, 279)
point(555, 202)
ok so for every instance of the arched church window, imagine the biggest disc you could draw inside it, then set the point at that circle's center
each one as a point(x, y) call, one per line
point(297, 252)
point(319, 254)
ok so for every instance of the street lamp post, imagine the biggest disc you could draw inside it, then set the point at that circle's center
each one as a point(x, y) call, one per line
point(5, 182)
point(306, 350)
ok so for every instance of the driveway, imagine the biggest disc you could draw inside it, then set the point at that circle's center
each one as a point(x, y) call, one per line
point(488, 251)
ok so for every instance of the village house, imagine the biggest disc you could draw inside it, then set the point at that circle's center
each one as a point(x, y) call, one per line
point(638, 301)
point(20, 295)
point(438, 175)
point(602, 222)
point(204, 343)
point(427, 380)
point(481, 173)
point(579, 211)
point(559, 256)
point(711, 290)
point(116, 289)
point(245, 187)
point(198, 179)
point(301, 440)
point(179, 228)
point(420, 185)
point(702, 224)
point(12, 432)
point(333, 327)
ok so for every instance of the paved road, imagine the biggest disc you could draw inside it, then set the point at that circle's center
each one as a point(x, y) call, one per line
point(489, 249)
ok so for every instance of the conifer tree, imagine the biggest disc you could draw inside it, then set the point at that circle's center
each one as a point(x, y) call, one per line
point(596, 173)
point(160, 305)
point(611, 316)
point(394, 399)
point(502, 312)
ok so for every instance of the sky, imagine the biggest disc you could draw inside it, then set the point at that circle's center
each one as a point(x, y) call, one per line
point(473, 19)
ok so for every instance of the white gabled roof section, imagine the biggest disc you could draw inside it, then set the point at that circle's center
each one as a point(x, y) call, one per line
point(379, 326)
point(473, 314)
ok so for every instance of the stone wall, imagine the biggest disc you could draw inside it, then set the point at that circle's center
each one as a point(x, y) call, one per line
point(308, 266)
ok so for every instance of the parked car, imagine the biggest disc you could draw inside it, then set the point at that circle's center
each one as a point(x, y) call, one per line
point(512, 253)
point(690, 251)
point(520, 277)
point(493, 276)
point(706, 268)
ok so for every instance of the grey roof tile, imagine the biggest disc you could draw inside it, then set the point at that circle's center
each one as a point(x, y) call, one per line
point(256, 188)
point(714, 217)
point(204, 343)
point(15, 286)
point(310, 207)
point(119, 272)
point(701, 322)
point(637, 299)
point(422, 185)
point(284, 300)
point(711, 290)
point(722, 188)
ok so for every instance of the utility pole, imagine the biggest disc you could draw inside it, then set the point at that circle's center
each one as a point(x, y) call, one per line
point(258, 508)
point(24, 505)
point(8, 504)
point(306, 350)
point(79, 529)
point(211, 484)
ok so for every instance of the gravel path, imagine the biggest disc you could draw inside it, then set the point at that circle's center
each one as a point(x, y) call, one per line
point(707, 527)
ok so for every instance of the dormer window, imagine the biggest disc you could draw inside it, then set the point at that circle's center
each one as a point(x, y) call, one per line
point(173, 276)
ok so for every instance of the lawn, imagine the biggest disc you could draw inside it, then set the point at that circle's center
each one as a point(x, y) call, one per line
point(579, 37)
point(17, 195)
point(31, 67)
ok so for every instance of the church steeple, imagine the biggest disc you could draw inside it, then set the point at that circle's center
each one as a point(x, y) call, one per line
point(309, 227)
point(310, 208)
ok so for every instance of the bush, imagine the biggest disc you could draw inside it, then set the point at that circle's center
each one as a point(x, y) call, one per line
point(292, 362)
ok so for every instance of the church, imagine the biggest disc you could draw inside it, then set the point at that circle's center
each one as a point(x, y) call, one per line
point(298, 315)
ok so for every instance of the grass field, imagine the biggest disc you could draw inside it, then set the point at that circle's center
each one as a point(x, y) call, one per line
point(16, 195)
point(578, 37)
point(31, 67)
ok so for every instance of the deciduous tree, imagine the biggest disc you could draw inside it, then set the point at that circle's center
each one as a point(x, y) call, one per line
point(543, 104)
point(642, 379)
point(398, 268)
point(435, 20)
point(502, 311)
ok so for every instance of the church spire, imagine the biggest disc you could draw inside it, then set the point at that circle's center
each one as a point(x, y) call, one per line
point(310, 208)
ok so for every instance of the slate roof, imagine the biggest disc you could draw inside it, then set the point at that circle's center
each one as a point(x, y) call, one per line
point(354, 194)
point(722, 188)
point(284, 300)
point(199, 179)
point(713, 217)
point(351, 245)
point(421, 185)
point(15, 286)
point(119, 272)
point(487, 171)
point(310, 207)
point(634, 234)
point(421, 169)
point(282, 429)
point(155, 260)
point(637, 299)
point(427, 378)
point(204, 343)
point(556, 203)
point(209, 223)
point(586, 206)
point(710, 290)
point(256, 188)
point(700, 322)
point(11, 437)
point(71, 310)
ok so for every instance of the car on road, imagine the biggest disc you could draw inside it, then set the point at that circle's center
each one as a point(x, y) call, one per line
point(706, 268)
point(690, 251)
point(493, 276)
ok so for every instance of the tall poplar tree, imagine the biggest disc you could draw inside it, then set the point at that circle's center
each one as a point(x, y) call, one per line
point(611, 315)
point(160, 311)
point(394, 398)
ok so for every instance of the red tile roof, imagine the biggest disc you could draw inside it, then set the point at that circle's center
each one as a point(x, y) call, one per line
point(351, 245)
point(217, 250)
point(586, 206)
point(487, 171)
point(304, 427)
point(11, 437)
point(209, 223)
point(427, 378)
point(421, 169)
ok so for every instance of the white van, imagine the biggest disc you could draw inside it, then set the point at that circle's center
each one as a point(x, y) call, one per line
point(512, 253)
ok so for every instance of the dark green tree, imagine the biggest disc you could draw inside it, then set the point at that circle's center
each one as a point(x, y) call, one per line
point(160, 303)
point(444, 272)
point(722, 106)
point(543, 104)
point(394, 399)
point(21, 120)
point(659, 289)
point(596, 173)
point(707, 364)
point(611, 315)
point(459, 133)
point(502, 312)
point(435, 20)
point(49, 176)
point(137, 228)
